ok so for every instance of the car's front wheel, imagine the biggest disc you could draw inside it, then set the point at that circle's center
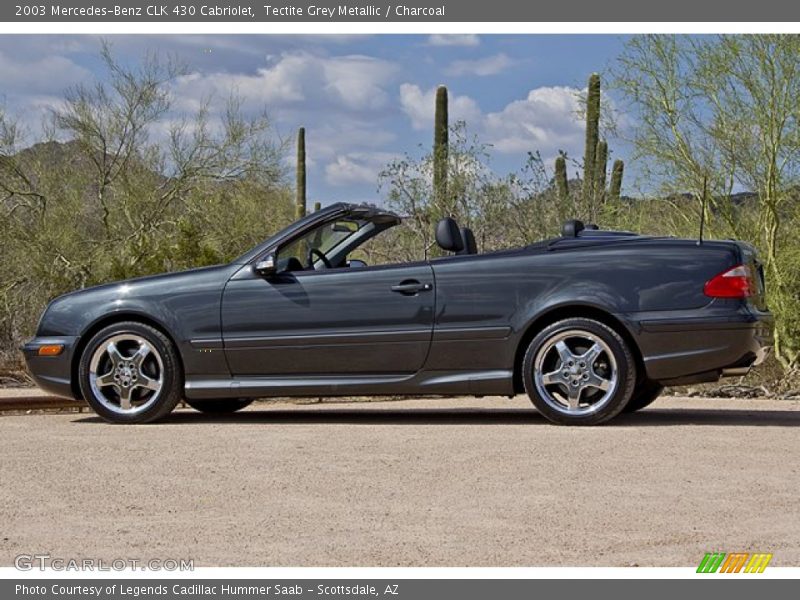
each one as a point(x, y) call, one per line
point(129, 372)
point(220, 406)
point(579, 372)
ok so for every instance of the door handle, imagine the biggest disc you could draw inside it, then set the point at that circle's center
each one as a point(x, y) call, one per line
point(411, 287)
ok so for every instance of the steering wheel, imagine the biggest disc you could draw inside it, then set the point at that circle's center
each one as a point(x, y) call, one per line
point(312, 252)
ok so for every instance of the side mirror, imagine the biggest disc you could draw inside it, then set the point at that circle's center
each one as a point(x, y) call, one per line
point(266, 266)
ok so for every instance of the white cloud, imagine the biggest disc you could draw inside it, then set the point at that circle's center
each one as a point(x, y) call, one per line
point(33, 85)
point(419, 106)
point(327, 140)
point(45, 75)
point(441, 39)
point(341, 100)
point(351, 82)
point(546, 120)
point(481, 67)
point(357, 168)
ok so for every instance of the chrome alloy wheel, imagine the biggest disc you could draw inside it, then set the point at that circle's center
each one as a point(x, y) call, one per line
point(575, 372)
point(126, 374)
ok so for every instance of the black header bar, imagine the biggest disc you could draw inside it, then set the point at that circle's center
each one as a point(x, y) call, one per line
point(470, 11)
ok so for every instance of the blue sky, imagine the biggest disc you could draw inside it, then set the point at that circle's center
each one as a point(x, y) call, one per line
point(363, 99)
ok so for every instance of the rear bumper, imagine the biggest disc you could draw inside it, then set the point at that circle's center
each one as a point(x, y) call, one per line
point(680, 351)
point(51, 373)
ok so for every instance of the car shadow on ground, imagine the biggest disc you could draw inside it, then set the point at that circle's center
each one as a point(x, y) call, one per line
point(654, 417)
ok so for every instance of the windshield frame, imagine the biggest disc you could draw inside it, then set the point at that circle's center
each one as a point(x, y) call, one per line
point(327, 214)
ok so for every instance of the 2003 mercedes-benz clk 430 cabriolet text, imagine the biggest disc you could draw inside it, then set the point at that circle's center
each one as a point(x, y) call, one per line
point(588, 324)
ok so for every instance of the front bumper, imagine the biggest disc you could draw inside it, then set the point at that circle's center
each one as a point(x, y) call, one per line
point(681, 351)
point(52, 373)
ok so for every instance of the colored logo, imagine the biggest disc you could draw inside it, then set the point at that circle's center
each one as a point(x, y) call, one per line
point(735, 562)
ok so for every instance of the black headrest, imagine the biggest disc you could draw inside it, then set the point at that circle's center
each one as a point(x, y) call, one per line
point(572, 228)
point(448, 236)
point(470, 246)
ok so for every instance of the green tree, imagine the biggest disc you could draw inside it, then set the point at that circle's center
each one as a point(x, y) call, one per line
point(726, 108)
point(503, 211)
point(104, 198)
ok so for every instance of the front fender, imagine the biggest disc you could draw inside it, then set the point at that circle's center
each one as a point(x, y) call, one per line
point(185, 306)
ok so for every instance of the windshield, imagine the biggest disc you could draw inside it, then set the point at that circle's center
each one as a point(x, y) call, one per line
point(322, 239)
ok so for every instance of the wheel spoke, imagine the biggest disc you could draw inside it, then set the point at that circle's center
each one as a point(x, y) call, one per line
point(114, 354)
point(125, 398)
point(552, 377)
point(140, 355)
point(574, 396)
point(148, 383)
point(105, 380)
point(564, 353)
point(598, 382)
point(592, 353)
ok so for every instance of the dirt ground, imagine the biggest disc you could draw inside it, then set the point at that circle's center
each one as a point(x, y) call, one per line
point(456, 482)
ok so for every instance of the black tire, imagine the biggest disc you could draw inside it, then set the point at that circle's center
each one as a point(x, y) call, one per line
point(594, 405)
point(146, 405)
point(644, 395)
point(220, 406)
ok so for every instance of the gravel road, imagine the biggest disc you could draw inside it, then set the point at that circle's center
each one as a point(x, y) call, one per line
point(456, 482)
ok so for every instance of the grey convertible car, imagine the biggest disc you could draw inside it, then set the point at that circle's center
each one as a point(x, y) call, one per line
point(588, 324)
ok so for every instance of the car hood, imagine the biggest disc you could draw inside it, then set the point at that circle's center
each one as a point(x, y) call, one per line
point(148, 281)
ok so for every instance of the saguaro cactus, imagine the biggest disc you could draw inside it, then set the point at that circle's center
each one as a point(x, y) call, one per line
point(600, 166)
point(300, 194)
point(616, 180)
point(562, 187)
point(440, 148)
point(592, 135)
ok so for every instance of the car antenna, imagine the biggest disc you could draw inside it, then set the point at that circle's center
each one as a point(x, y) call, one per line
point(703, 210)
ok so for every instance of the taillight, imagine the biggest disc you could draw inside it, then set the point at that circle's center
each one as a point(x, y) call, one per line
point(736, 282)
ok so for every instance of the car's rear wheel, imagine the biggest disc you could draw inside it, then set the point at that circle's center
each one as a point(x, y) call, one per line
point(129, 372)
point(579, 372)
point(220, 406)
point(644, 395)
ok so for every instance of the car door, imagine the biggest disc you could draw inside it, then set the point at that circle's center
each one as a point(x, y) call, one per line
point(347, 321)
point(478, 298)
